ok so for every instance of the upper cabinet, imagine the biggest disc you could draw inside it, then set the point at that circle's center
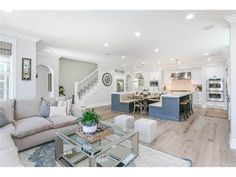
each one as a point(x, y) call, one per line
point(215, 71)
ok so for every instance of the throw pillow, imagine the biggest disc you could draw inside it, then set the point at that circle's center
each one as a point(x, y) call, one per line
point(57, 111)
point(62, 103)
point(51, 100)
point(3, 118)
point(44, 109)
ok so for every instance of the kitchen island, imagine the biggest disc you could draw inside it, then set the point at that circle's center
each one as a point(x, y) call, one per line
point(169, 106)
point(124, 101)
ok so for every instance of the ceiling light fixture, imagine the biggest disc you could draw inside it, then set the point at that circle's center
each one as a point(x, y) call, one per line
point(206, 54)
point(106, 45)
point(209, 59)
point(143, 63)
point(124, 65)
point(156, 50)
point(172, 59)
point(137, 34)
point(189, 16)
point(123, 57)
point(159, 62)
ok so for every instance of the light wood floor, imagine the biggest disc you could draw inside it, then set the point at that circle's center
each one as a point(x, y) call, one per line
point(203, 140)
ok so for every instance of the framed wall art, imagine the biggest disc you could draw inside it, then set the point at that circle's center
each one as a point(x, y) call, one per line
point(26, 69)
point(120, 86)
point(107, 79)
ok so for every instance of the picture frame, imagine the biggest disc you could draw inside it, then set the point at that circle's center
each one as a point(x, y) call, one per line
point(26, 69)
point(120, 86)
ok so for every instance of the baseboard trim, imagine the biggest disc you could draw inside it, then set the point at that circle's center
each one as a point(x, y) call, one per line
point(232, 143)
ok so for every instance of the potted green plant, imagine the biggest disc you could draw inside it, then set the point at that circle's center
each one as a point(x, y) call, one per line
point(61, 91)
point(89, 120)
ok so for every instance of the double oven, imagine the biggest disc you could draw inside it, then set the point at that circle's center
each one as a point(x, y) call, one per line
point(215, 89)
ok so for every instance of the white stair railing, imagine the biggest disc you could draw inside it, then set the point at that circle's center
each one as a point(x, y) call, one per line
point(84, 85)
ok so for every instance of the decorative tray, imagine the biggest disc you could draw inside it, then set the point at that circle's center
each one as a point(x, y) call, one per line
point(102, 131)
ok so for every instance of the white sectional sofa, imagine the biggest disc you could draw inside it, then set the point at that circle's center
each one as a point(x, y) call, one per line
point(28, 130)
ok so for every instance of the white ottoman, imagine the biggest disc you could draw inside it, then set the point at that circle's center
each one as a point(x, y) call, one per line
point(147, 129)
point(124, 121)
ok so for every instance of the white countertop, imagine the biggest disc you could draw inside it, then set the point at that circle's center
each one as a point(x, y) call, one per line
point(157, 104)
point(121, 93)
point(177, 94)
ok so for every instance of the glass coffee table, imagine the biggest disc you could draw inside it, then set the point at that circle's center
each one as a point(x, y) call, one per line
point(116, 150)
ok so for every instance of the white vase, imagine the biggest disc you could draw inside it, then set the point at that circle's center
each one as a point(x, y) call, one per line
point(90, 129)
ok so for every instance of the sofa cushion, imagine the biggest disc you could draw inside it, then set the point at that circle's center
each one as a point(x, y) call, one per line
point(27, 108)
point(9, 128)
point(6, 141)
point(8, 108)
point(31, 125)
point(10, 158)
point(62, 121)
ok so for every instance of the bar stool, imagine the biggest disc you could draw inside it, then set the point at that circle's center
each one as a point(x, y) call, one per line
point(184, 107)
point(138, 104)
point(190, 106)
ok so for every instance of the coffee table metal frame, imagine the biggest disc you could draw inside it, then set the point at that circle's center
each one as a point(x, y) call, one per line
point(92, 154)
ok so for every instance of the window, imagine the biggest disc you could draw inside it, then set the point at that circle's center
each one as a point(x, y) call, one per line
point(5, 60)
point(4, 77)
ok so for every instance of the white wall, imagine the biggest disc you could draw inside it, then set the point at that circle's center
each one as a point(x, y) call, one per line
point(102, 96)
point(42, 81)
point(232, 74)
point(25, 49)
point(53, 63)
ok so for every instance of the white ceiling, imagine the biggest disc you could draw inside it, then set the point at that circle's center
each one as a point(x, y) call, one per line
point(81, 34)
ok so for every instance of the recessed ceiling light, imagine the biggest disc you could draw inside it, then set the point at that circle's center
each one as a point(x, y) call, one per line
point(189, 16)
point(156, 50)
point(124, 65)
point(209, 59)
point(106, 45)
point(137, 34)
point(206, 54)
point(159, 62)
point(172, 59)
point(143, 63)
point(123, 57)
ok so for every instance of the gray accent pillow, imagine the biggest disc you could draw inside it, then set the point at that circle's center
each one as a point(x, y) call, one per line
point(44, 109)
point(3, 118)
point(51, 100)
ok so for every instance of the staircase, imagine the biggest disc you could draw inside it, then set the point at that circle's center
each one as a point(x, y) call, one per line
point(85, 88)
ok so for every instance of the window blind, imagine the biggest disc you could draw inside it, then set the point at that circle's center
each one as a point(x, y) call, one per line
point(5, 48)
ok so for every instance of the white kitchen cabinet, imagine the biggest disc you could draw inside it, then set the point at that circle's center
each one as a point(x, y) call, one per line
point(197, 99)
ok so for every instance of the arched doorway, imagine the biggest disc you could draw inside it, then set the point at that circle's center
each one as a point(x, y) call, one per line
point(139, 83)
point(128, 84)
point(44, 81)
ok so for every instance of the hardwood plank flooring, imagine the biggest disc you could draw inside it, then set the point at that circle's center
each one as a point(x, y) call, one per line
point(203, 140)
